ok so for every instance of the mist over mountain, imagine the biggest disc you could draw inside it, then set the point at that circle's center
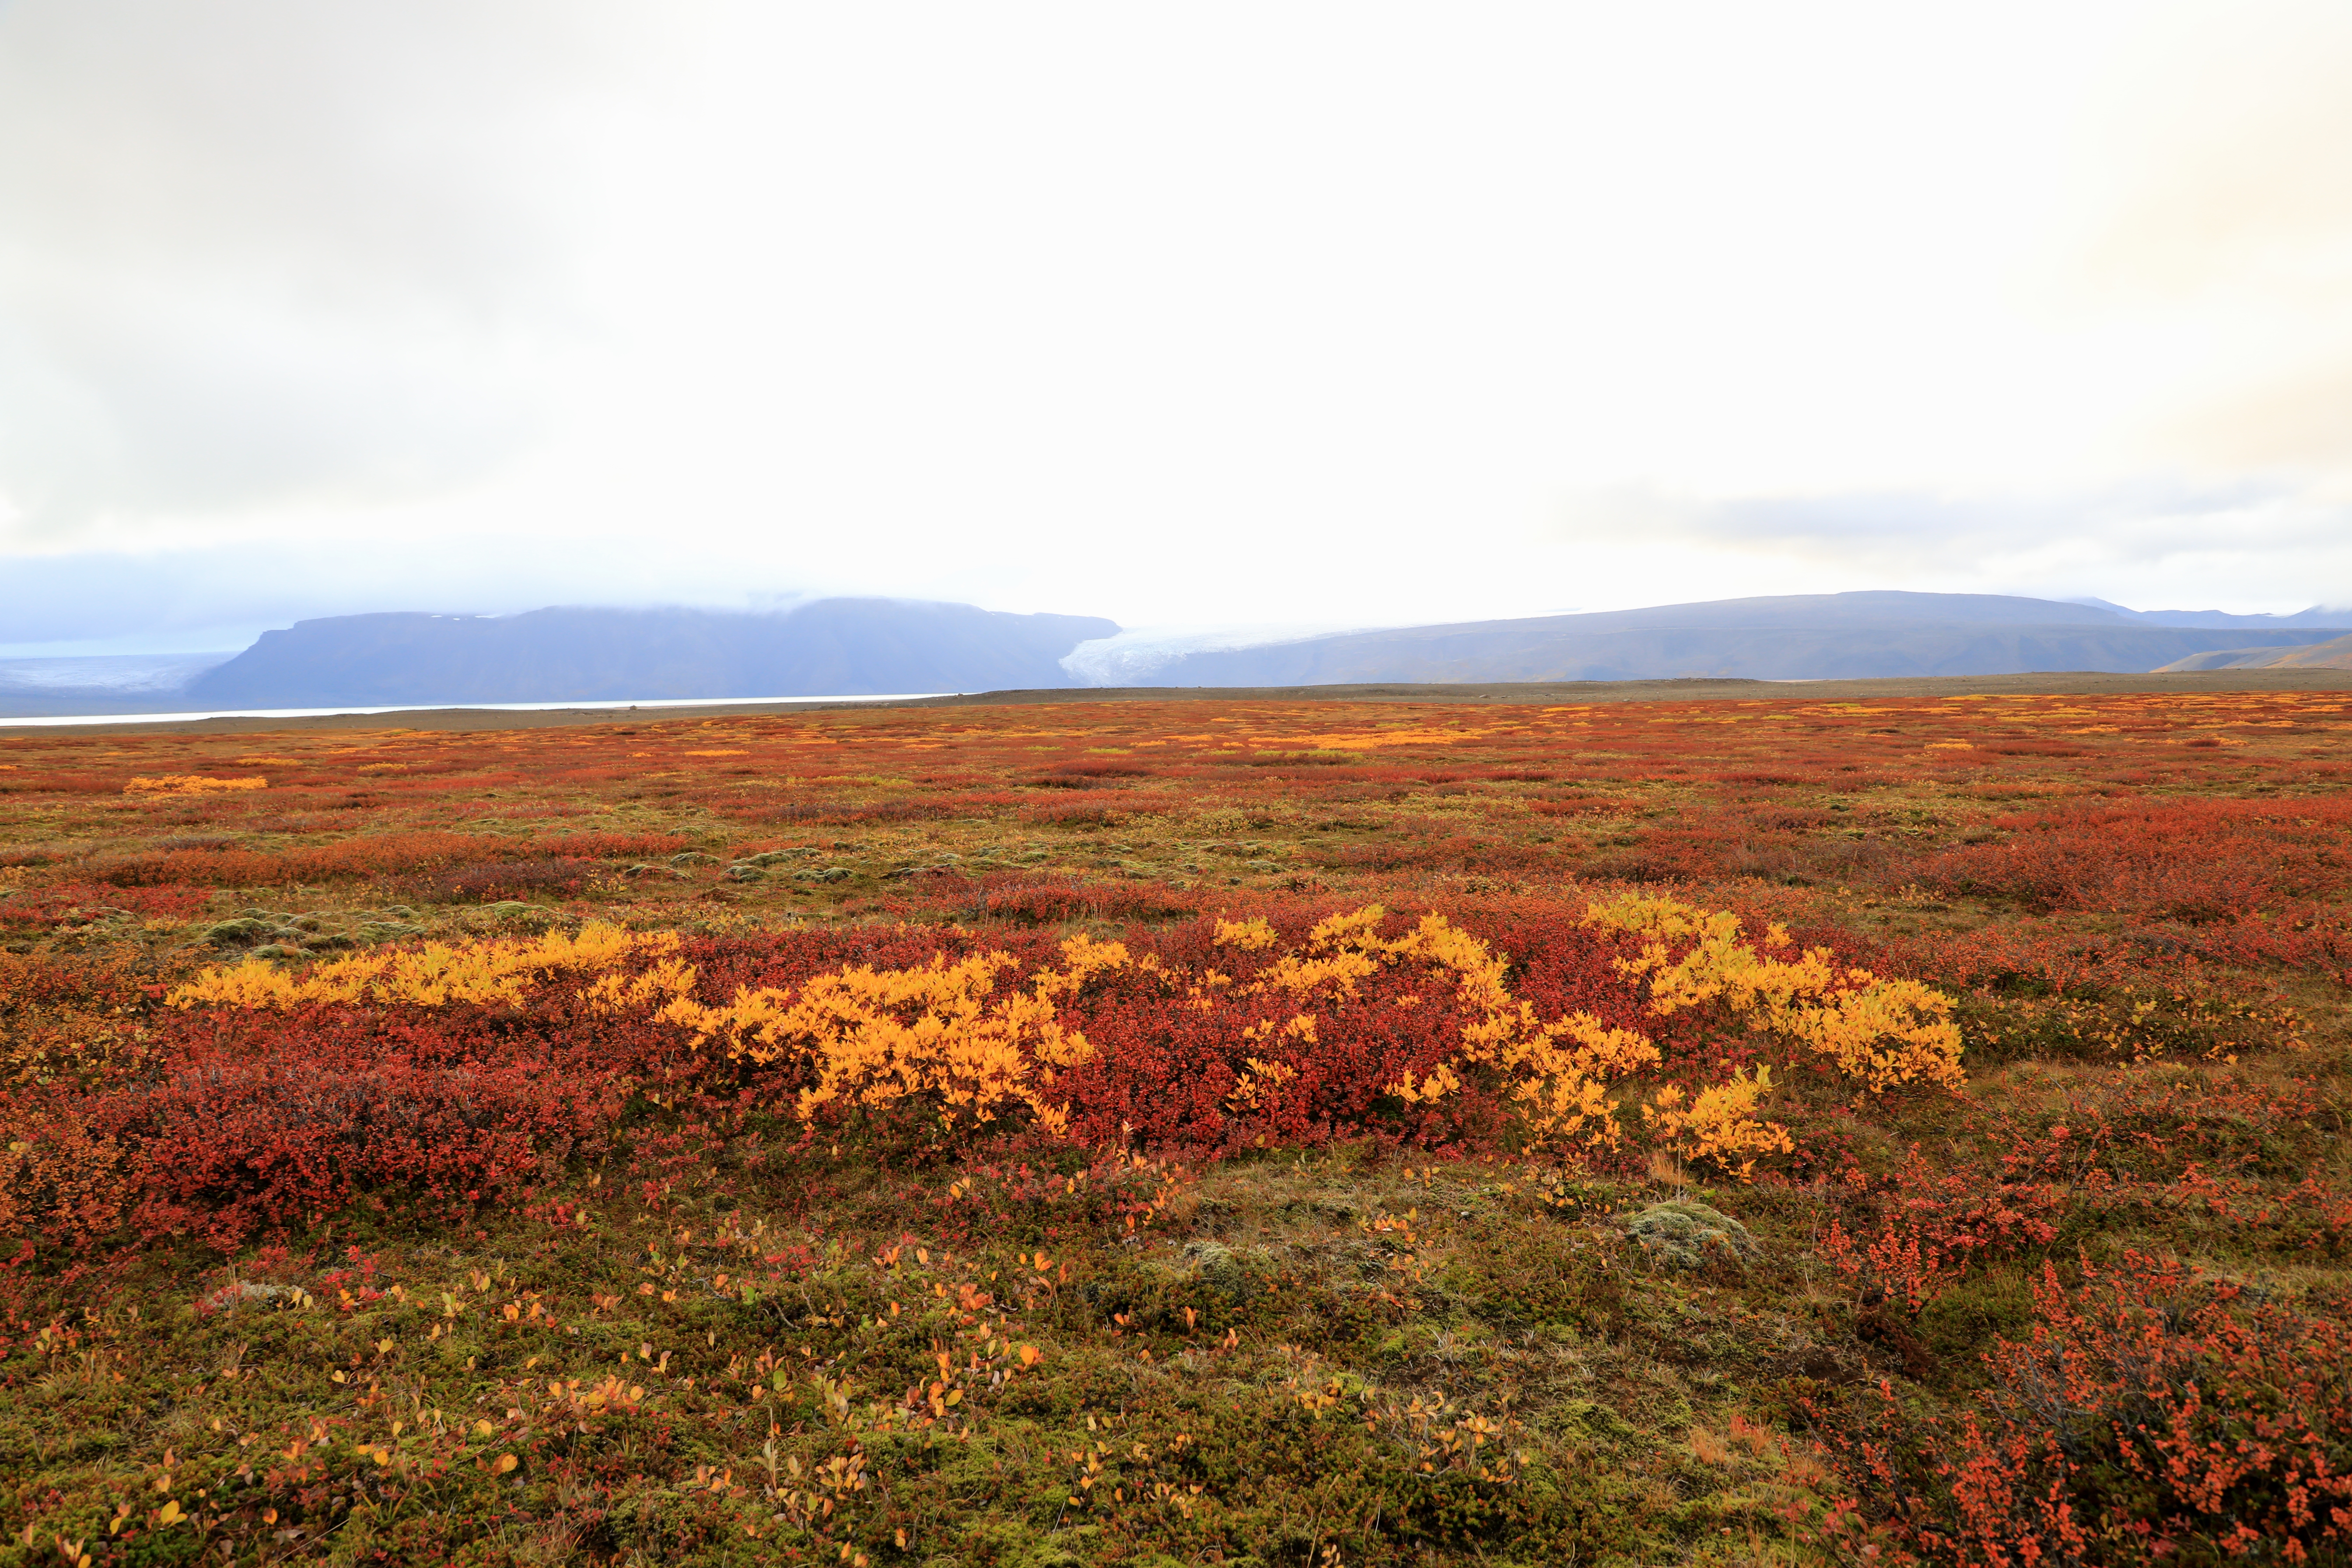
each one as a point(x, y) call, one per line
point(99, 683)
point(1799, 637)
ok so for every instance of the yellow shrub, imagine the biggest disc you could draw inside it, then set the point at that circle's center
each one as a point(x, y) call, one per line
point(1257, 1080)
point(1569, 1107)
point(1249, 935)
point(1719, 1125)
point(1560, 1073)
point(1085, 958)
point(1433, 1087)
point(438, 972)
point(939, 1035)
point(1886, 1032)
point(651, 990)
point(189, 784)
point(1881, 1032)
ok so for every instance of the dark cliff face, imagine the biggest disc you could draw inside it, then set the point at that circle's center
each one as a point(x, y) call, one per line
point(831, 647)
point(1809, 637)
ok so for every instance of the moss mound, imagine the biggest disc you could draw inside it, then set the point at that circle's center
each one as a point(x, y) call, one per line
point(1679, 1234)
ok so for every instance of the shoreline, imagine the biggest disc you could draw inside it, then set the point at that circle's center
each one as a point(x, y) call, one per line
point(1542, 694)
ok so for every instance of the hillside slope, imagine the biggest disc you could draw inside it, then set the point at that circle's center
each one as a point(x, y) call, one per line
point(2335, 654)
point(1812, 637)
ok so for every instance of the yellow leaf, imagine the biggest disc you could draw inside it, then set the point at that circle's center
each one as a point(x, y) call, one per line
point(505, 1462)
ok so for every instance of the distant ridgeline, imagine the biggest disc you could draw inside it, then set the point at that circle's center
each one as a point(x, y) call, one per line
point(1796, 637)
point(830, 647)
point(870, 646)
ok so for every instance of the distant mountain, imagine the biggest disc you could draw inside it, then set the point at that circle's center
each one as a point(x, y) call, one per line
point(1807, 637)
point(829, 648)
point(2332, 655)
point(872, 646)
point(2317, 615)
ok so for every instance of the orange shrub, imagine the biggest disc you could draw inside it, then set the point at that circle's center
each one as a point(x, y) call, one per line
point(190, 783)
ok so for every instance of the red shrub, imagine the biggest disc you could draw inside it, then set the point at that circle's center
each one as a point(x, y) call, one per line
point(489, 881)
point(25, 782)
point(844, 814)
point(1934, 1221)
point(1167, 1065)
point(1089, 814)
point(228, 1150)
point(2196, 861)
point(373, 855)
point(50, 905)
point(2155, 1416)
point(1030, 900)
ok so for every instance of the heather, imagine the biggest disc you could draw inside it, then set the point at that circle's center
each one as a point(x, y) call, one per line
point(1313, 1133)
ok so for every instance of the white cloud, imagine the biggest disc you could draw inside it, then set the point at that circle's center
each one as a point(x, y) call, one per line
point(265, 249)
point(1343, 314)
point(2154, 545)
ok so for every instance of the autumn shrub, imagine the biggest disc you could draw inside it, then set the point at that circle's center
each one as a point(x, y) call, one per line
point(1454, 852)
point(371, 855)
point(489, 881)
point(2159, 1125)
point(191, 784)
point(1932, 1224)
point(846, 813)
point(1882, 1032)
point(1716, 839)
point(467, 1062)
point(52, 903)
point(111, 981)
point(2153, 1414)
point(229, 1150)
point(2196, 861)
point(59, 1178)
point(56, 781)
point(1581, 805)
point(498, 972)
point(1027, 899)
point(1075, 814)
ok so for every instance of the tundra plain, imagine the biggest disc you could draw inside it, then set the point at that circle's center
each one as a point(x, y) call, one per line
point(1800, 1125)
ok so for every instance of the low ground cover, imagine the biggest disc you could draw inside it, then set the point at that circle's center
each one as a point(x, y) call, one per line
point(1761, 1131)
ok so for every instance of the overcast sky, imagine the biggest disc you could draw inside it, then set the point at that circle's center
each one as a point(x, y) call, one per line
point(1346, 313)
